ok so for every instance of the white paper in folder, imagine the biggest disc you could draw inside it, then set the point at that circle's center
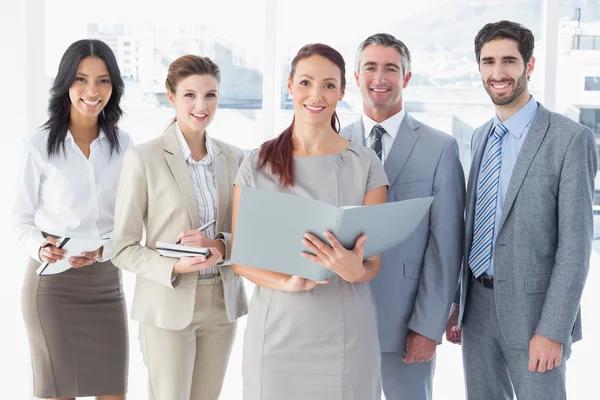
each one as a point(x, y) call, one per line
point(74, 247)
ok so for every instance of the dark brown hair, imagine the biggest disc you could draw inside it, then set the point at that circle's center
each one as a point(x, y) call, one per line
point(277, 153)
point(506, 30)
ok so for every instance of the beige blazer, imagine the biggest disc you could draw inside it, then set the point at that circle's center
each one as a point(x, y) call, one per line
point(156, 193)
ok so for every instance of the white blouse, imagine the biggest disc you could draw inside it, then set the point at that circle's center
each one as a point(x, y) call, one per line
point(67, 194)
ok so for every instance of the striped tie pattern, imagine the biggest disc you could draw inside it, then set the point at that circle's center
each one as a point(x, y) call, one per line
point(377, 144)
point(485, 205)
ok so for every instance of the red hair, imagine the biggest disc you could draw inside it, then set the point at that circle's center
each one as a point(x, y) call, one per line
point(277, 153)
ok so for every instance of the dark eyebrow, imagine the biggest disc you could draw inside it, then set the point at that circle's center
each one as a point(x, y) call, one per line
point(310, 77)
point(512, 58)
point(101, 76)
point(374, 64)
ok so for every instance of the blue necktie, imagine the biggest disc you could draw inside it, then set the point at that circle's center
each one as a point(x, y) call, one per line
point(485, 205)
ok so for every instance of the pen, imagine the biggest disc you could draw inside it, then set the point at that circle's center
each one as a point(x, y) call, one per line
point(203, 227)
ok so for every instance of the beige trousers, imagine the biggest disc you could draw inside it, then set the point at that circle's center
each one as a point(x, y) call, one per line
point(190, 363)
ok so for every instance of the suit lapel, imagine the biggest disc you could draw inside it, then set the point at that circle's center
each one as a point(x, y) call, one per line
point(479, 142)
point(222, 184)
point(531, 144)
point(178, 166)
point(356, 133)
point(401, 148)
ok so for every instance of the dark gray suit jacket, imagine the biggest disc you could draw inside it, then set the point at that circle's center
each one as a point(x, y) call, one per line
point(542, 252)
point(417, 280)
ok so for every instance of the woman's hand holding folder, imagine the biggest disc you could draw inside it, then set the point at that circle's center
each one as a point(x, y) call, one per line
point(50, 252)
point(196, 238)
point(348, 264)
point(192, 264)
point(86, 258)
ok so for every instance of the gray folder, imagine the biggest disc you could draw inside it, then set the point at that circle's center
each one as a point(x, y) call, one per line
point(270, 227)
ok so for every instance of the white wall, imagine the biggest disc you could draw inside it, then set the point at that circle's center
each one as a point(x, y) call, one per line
point(22, 104)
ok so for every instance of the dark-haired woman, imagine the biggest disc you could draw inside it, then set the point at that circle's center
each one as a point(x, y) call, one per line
point(76, 320)
point(306, 339)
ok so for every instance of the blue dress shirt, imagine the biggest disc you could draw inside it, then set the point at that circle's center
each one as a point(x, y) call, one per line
point(518, 126)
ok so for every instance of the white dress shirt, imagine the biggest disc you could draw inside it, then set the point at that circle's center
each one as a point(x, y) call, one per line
point(391, 126)
point(67, 194)
point(203, 179)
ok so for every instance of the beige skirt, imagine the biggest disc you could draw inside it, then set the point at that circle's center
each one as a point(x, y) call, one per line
point(76, 323)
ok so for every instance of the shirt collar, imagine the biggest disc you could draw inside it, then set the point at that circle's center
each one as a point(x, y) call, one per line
point(517, 122)
point(187, 153)
point(391, 125)
point(101, 136)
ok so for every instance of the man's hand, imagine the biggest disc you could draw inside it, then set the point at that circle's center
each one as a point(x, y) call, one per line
point(453, 334)
point(419, 348)
point(544, 353)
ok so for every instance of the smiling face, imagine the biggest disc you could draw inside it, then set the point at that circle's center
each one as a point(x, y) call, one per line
point(316, 89)
point(195, 101)
point(504, 73)
point(381, 80)
point(90, 91)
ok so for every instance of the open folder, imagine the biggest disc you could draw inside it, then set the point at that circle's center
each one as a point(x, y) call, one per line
point(74, 248)
point(270, 227)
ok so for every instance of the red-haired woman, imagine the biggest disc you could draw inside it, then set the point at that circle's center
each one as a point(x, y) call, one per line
point(307, 339)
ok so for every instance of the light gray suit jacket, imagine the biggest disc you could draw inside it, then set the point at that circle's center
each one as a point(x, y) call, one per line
point(417, 280)
point(542, 252)
point(156, 192)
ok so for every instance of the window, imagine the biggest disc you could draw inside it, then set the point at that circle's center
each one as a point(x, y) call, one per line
point(592, 83)
point(590, 117)
point(157, 42)
point(445, 92)
point(581, 42)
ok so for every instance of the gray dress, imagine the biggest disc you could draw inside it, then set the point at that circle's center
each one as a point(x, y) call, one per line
point(320, 344)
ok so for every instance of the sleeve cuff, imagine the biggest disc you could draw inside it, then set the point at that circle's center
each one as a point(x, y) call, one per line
point(226, 239)
point(106, 252)
point(222, 260)
point(34, 244)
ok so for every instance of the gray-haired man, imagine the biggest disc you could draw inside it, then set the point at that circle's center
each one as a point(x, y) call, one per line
point(416, 284)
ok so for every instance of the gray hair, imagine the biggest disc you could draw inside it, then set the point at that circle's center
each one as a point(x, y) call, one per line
point(385, 40)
